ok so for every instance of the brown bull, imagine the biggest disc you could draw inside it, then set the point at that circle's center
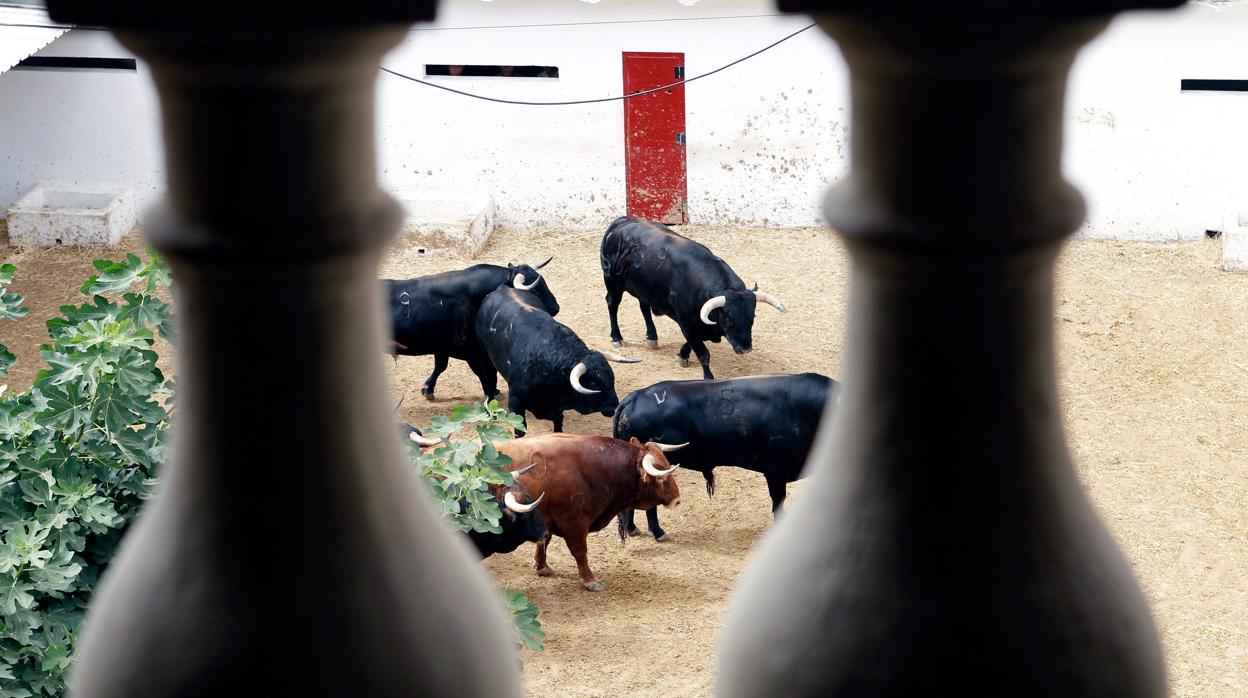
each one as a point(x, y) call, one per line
point(587, 480)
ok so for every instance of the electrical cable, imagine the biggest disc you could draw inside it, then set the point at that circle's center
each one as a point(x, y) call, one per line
point(601, 99)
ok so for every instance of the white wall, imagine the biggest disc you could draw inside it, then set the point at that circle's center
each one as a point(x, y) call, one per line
point(1155, 163)
point(93, 127)
point(764, 138)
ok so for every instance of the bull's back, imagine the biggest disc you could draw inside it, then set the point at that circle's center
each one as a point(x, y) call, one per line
point(757, 423)
point(436, 314)
point(486, 323)
point(568, 448)
point(579, 474)
point(428, 322)
point(781, 427)
point(498, 333)
point(519, 339)
point(664, 269)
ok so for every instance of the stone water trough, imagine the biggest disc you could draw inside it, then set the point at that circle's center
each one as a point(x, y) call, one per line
point(50, 215)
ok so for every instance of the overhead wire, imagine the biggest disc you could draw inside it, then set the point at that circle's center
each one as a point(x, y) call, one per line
point(600, 99)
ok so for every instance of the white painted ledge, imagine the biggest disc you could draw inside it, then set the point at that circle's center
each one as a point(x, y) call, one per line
point(446, 222)
point(1235, 242)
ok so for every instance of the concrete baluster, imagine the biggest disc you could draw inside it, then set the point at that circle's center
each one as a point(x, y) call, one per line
point(288, 550)
point(944, 545)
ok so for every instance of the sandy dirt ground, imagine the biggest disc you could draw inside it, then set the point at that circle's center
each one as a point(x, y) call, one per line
point(1153, 351)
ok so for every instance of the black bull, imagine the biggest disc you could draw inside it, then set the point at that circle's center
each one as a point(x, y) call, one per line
point(548, 368)
point(761, 423)
point(672, 275)
point(437, 315)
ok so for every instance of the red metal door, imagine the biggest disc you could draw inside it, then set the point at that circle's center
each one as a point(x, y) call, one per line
point(654, 137)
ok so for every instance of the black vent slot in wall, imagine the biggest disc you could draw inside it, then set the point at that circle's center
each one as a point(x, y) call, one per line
point(76, 63)
point(492, 71)
point(1214, 85)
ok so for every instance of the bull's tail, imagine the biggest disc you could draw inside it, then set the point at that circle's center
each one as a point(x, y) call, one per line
point(603, 259)
point(620, 428)
point(622, 519)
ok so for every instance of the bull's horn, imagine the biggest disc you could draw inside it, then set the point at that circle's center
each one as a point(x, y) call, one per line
point(539, 266)
point(518, 282)
point(647, 464)
point(668, 448)
point(424, 441)
point(612, 356)
point(707, 307)
point(764, 297)
point(509, 500)
point(578, 371)
point(525, 469)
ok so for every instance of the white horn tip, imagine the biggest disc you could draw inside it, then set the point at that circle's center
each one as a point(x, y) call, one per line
point(510, 501)
point(575, 378)
point(423, 440)
point(618, 358)
point(668, 448)
point(710, 305)
point(647, 464)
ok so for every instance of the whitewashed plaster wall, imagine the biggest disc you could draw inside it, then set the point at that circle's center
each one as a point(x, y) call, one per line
point(79, 126)
point(765, 138)
point(1155, 163)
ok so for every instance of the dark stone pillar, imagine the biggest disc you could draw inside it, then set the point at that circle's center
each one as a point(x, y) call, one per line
point(288, 550)
point(944, 545)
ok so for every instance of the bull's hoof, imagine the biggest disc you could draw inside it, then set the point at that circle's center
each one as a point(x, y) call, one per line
point(427, 392)
point(652, 343)
point(633, 533)
point(617, 343)
point(546, 572)
point(662, 538)
point(593, 586)
point(684, 363)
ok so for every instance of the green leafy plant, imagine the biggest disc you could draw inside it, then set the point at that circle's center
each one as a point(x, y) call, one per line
point(524, 617)
point(10, 309)
point(78, 454)
point(460, 471)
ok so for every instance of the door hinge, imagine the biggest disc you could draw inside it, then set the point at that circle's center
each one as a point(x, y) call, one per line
point(680, 72)
point(680, 138)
